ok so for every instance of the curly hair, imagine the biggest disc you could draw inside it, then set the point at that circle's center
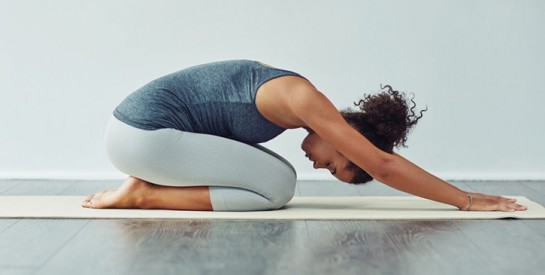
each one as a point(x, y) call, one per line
point(385, 119)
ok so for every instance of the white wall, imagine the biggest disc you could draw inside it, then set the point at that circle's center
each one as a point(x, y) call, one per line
point(477, 65)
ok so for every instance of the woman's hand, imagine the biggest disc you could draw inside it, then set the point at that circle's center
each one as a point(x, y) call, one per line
point(483, 202)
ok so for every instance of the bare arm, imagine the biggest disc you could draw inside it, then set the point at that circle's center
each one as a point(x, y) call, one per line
point(479, 201)
point(319, 114)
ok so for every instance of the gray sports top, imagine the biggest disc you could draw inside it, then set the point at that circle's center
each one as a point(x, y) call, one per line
point(216, 98)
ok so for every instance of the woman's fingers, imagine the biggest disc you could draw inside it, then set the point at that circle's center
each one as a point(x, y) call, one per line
point(511, 205)
point(511, 200)
point(515, 207)
point(506, 208)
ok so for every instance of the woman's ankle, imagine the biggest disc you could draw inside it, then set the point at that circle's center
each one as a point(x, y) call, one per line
point(138, 192)
point(147, 198)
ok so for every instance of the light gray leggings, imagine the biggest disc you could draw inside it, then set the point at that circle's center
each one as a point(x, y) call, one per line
point(241, 177)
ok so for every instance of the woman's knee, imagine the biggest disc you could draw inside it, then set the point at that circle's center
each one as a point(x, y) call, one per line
point(282, 192)
point(241, 199)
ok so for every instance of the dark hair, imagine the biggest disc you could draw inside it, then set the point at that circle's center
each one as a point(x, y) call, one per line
point(385, 119)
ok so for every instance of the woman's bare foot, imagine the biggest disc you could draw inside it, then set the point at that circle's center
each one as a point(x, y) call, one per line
point(129, 195)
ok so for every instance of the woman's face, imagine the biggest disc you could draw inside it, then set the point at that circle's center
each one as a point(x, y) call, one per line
point(325, 156)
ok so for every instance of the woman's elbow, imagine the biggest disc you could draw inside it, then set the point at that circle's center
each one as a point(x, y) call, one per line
point(384, 168)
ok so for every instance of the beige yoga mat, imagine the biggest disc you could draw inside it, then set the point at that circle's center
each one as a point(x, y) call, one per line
point(299, 208)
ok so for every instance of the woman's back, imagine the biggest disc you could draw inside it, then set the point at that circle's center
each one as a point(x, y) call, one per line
point(216, 98)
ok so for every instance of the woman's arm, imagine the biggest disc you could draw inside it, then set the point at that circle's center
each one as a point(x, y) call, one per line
point(479, 201)
point(319, 114)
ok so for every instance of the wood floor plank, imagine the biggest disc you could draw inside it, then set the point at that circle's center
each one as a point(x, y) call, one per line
point(82, 188)
point(31, 242)
point(537, 225)
point(7, 184)
point(511, 245)
point(7, 223)
point(508, 188)
point(227, 247)
point(327, 188)
point(39, 187)
point(17, 270)
point(536, 185)
point(391, 247)
point(101, 247)
point(169, 247)
point(538, 188)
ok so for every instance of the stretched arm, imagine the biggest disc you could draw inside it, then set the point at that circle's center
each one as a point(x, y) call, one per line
point(430, 187)
point(319, 114)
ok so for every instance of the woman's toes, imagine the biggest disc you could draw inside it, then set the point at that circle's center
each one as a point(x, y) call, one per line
point(88, 204)
point(86, 201)
point(94, 201)
point(99, 201)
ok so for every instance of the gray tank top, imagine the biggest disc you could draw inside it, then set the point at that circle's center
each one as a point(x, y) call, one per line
point(216, 99)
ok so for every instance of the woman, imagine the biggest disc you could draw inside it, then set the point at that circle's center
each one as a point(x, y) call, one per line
point(189, 140)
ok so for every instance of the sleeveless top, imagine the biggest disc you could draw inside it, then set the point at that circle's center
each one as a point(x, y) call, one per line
point(216, 98)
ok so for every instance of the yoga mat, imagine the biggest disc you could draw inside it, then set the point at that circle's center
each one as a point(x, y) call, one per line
point(299, 208)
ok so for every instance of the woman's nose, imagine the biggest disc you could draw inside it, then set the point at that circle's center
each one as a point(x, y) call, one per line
point(318, 165)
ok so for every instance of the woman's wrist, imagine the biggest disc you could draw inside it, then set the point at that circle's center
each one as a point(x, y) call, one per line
point(459, 199)
point(469, 203)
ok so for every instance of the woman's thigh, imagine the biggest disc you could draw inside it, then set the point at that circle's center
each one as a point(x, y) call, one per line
point(175, 158)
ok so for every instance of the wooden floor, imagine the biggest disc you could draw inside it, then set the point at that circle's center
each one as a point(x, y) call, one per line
point(77, 246)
